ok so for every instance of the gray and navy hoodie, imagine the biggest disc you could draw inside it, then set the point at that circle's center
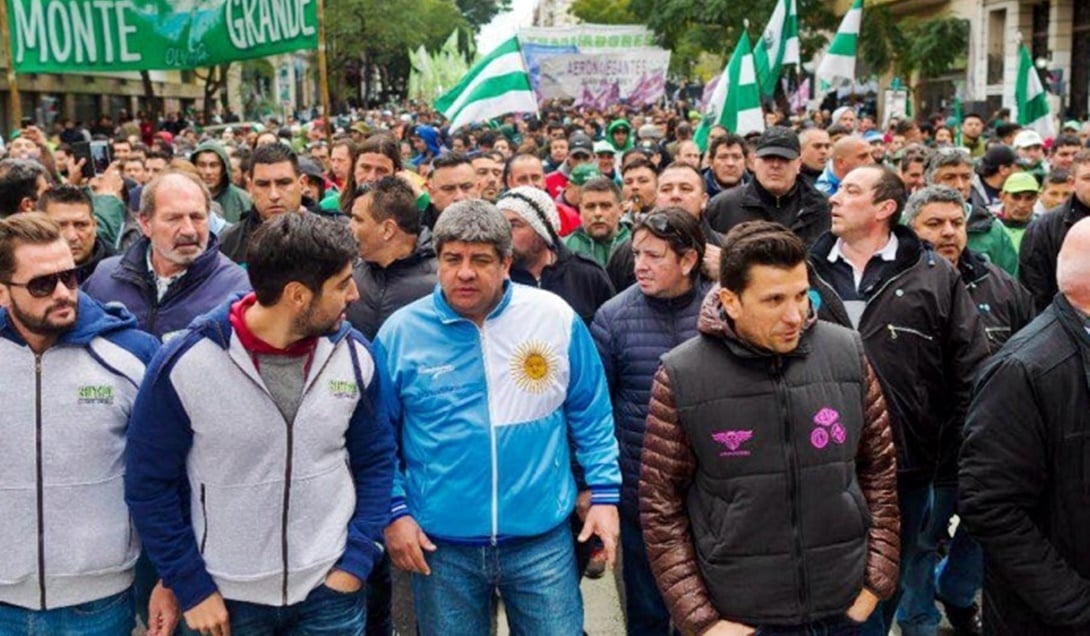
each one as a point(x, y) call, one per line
point(229, 496)
point(65, 533)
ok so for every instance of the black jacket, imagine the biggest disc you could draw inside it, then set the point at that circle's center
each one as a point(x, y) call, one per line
point(622, 262)
point(236, 239)
point(804, 209)
point(99, 252)
point(384, 290)
point(1005, 306)
point(925, 339)
point(1041, 245)
point(578, 279)
point(1024, 479)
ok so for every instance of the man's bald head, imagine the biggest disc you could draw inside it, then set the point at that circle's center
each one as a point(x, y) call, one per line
point(849, 153)
point(1073, 266)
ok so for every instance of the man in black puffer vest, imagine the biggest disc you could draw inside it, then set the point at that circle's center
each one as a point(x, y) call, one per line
point(768, 487)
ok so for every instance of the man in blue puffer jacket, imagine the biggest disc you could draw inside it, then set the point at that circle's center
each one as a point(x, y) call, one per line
point(631, 331)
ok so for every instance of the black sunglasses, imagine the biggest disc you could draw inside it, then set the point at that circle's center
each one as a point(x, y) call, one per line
point(42, 286)
point(660, 226)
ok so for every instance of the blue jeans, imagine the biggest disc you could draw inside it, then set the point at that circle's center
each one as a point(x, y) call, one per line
point(109, 616)
point(379, 599)
point(536, 577)
point(960, 574)
point(324, 612)
point(917, 571)
point(645, 611)
point(835, 626)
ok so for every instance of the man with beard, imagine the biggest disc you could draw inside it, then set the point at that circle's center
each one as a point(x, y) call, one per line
point(264, 513)
point(22, 182)
point(542, 260)
point(276, 188)
point(175, 272)
point(70, 372)
point(488, 166)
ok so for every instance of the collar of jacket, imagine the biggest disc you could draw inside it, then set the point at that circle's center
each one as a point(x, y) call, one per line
point(764, 197)
point(1076, 324)
point(447, 315)
point(680, 301)
point(910, 249)
point(134, 268)
point(216, 324)
point(972, 266)
point(1075, 212)
point(714, 322)
point(92, 319)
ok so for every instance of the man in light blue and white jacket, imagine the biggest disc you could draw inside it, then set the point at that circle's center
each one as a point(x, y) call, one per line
point(69, 371)
point(262, 507)
point(491, 379)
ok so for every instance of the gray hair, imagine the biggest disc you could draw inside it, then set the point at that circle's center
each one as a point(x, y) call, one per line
point(147, 195)
point(927, 196)
point(944, 158)
point(473, 221)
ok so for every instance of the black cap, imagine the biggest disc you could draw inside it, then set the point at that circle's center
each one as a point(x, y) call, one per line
point(579, 142)
point(999, 155)
point(778, 141)
point(310, 168)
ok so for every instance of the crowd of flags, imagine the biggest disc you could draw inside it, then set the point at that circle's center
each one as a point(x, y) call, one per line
point(499, 83)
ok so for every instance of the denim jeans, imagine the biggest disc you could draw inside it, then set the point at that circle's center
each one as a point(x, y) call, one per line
point(109, 616)
point(324, 612)
point(645, 611)
point(835, 626)
point(536, 578)
point(959, 576)
point(379, 599)
point(914, 615)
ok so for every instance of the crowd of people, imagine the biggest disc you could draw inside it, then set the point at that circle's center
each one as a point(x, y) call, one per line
point(827, 378)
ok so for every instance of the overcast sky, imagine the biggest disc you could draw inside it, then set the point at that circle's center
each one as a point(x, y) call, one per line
point(505, 25)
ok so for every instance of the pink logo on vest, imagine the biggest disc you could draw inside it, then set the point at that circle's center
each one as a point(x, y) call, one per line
point(829, 418)
point(733, 441)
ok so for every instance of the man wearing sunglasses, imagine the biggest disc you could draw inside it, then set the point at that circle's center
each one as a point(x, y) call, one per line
point(70, 372)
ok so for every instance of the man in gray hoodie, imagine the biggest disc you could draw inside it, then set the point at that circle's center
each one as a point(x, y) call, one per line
point(69, 369)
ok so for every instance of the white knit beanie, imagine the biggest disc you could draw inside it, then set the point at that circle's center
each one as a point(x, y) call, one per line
point(533, 205)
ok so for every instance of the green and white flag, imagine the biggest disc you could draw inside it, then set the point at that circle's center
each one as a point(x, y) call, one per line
point(1033, 111)
point(838, 65)
point(497, 85)
point(736, 102)
point(779, 45)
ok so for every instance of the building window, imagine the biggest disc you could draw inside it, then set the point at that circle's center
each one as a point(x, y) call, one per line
point(1080, 51)
point(997, 25)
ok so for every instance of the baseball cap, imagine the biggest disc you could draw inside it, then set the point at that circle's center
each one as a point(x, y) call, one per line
point(310, 168)
point(778, 141)
point(1072, 125)
point(603, 147)
point(872, 136)
point(1027, 139)
point(361, 127)
point(582, 173)
point(580, 143)
point(1020, 182)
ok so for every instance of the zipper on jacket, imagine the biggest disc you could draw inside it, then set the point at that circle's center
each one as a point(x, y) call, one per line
point(39, 477)
point(491, 440)
point(284, 516)
point(793, 479)
point(894, 330)
point(204, 514)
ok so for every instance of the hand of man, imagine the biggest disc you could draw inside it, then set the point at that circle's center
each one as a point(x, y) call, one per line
point(209, 617)
point(603, 521)
point(711, 261)
point(75, 170)
point(343, 582)
point(727, 628)
point(406, 541)
point(864, 604)
point(582, 504)
point(109, 182)
point(163, 611)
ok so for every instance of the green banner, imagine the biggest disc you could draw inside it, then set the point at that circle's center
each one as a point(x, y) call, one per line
point(67, 36)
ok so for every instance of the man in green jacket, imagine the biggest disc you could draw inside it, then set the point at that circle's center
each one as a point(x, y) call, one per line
point(601, 230)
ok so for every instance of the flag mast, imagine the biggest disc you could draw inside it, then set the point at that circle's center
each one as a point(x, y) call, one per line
point(16, 106)
point(323, 73)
